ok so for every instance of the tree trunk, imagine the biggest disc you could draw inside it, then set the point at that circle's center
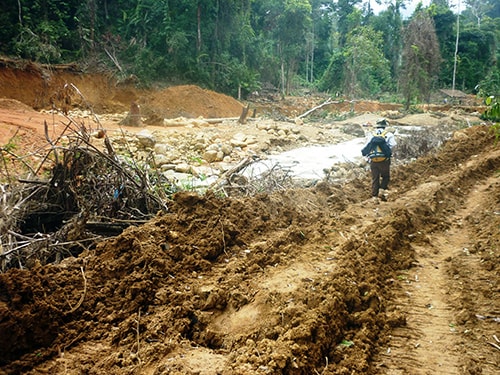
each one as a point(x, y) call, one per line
point(244, 115)
point(198, 38)
point(134, 116)
point(456, 48)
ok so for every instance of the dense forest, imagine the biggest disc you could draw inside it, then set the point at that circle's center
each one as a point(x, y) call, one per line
point(241, 46)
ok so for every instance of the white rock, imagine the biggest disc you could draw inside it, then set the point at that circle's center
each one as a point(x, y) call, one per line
point(162, 148)
point(161, 160)
point(251, 140)
point(183, 168)
point(238, 143)
point(146, 138)
point(226, 149)
point(168, 167)
point(213, 147)
point(210, 156)
point(240, 137)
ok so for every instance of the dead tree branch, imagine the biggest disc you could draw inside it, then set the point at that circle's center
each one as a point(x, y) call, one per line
point(82, 298)
point(324, 104)
point(91, 194)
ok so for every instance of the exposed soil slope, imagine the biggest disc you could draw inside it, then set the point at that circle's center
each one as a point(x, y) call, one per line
point(306, 281)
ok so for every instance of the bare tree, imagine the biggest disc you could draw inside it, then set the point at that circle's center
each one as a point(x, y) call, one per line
point(421, 58)
point(478, 8)
point(455, 56)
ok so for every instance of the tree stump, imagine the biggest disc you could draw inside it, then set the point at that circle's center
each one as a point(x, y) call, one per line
point(134, 116)
point(244, 115)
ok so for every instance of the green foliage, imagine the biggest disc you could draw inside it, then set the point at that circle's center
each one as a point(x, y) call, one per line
point(493, 114)
point(475, 56)
point(493, 111)
point(147, 65)
point(346, 343)
point(366, 70)
point(31, 46)
point(46, 30)
point(237, 46)
point(236, 78)
point(390, 24)
point(12, 145)
point(346, 21)
point(490, 84)
point(286, 24)
point(332, 78)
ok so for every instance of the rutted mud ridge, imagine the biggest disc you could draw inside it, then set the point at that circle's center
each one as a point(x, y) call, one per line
point(308, 281)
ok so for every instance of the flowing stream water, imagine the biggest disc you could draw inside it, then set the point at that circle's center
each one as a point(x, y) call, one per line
point(309, 163)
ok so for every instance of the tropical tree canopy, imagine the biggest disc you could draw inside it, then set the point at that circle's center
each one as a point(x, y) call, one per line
point(237, 47)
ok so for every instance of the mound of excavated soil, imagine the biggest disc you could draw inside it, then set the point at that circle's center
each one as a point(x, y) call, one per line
point(15, 105)
point(190, 102)
point(39, 88)
point(301, 282)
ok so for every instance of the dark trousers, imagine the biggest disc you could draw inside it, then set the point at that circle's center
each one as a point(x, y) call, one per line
point(381, 173)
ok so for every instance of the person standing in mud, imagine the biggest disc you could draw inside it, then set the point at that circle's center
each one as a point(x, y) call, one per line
point(378, 151)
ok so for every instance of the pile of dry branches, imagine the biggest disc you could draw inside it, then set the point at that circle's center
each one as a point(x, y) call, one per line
point(77, 195)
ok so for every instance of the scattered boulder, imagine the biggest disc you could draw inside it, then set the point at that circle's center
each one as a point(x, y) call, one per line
point(146, 139)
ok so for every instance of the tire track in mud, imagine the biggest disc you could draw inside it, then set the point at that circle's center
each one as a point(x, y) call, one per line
point(434, 338)
point(426, 344)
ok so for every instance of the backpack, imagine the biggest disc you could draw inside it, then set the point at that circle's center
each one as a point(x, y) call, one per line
point(377, 149)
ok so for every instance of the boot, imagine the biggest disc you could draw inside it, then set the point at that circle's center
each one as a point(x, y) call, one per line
point(384, 194)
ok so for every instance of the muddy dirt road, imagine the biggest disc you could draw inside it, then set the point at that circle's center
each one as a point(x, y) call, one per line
point(305, 281)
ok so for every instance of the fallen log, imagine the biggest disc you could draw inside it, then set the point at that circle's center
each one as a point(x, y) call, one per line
point(222, 119)
point(226, 176)
point(325, 103)
point(219, 120)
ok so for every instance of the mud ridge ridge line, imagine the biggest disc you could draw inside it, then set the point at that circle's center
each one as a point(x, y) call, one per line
point(371, 257)
point(464, 270)
point(433, 321)
point(373, 297)
point(396, 240)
